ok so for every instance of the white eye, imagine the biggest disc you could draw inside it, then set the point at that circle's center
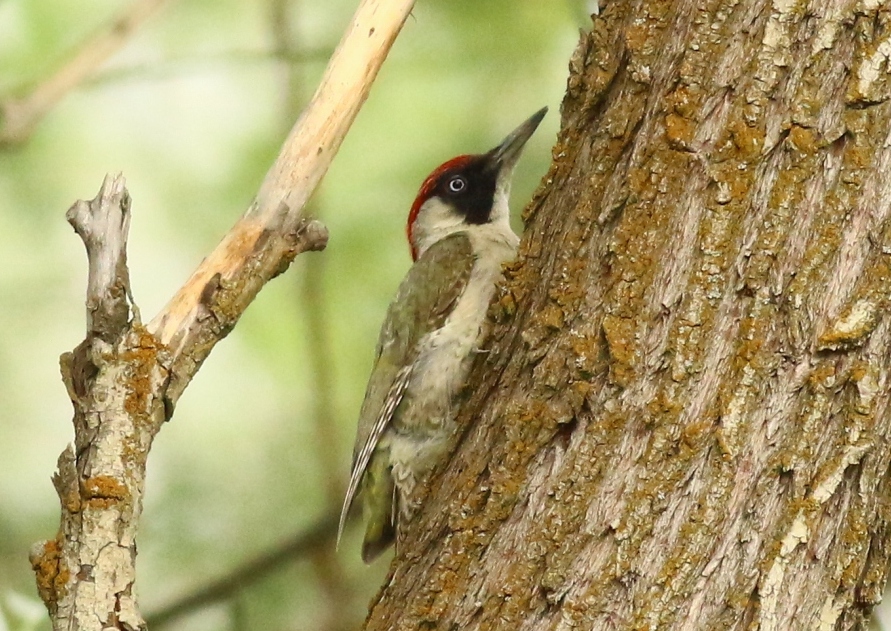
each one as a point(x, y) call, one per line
point(457, 184)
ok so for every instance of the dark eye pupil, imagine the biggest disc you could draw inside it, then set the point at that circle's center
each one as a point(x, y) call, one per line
point(457, 184)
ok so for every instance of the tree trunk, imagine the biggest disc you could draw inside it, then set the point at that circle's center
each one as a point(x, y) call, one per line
point(683, 421)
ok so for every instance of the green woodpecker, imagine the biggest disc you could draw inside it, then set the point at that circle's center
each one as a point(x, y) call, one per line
point(460, 235)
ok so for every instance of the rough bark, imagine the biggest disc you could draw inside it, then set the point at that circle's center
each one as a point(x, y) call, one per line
point(112, 378)
point(125, 378)
point(683, 420)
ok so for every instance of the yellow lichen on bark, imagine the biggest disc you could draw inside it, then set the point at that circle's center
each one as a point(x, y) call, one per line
point(52, 576)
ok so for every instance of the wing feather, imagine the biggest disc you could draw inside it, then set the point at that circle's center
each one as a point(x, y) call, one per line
point(422, 304)
point(363, 456)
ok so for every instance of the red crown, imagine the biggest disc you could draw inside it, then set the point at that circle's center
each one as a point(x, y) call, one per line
point(426, 192)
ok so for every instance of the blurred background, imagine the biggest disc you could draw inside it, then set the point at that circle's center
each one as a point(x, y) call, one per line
point(193, 109)
point(243, 482)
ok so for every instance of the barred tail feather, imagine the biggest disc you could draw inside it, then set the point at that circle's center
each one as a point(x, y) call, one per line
point(363, 456)
point(380, 511)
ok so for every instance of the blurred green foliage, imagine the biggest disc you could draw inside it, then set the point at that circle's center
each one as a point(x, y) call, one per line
point(193, 111)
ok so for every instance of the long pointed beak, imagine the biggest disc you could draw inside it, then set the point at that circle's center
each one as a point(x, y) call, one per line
point(505, 155)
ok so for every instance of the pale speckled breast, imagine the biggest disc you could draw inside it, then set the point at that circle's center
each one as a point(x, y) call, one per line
point(424, 421)
point(446, 354)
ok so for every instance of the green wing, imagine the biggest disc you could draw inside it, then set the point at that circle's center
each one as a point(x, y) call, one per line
point(425, 298)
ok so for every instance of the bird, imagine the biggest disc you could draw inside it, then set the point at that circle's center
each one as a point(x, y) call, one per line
point(459, 236)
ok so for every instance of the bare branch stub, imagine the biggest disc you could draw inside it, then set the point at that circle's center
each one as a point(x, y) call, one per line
point(223, 296)
point(103, 225)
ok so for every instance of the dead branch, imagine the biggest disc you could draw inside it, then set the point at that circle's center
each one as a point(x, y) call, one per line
point(125, 379)
point(178, 66)
point(114, 379)
point(261, 244)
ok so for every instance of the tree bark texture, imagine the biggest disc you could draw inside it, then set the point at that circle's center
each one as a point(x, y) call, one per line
point(683, 420)
point(113, 378)
point(120, 381)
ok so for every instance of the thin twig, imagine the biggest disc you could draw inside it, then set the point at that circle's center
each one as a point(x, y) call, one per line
point(284, 38)
point(321, 534)
point(19, 116)
point(319, 354)
point(174, 66)
point(328, 569)
point(313, 298)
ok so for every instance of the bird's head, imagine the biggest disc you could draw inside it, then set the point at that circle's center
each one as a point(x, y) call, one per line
point(467, 190)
